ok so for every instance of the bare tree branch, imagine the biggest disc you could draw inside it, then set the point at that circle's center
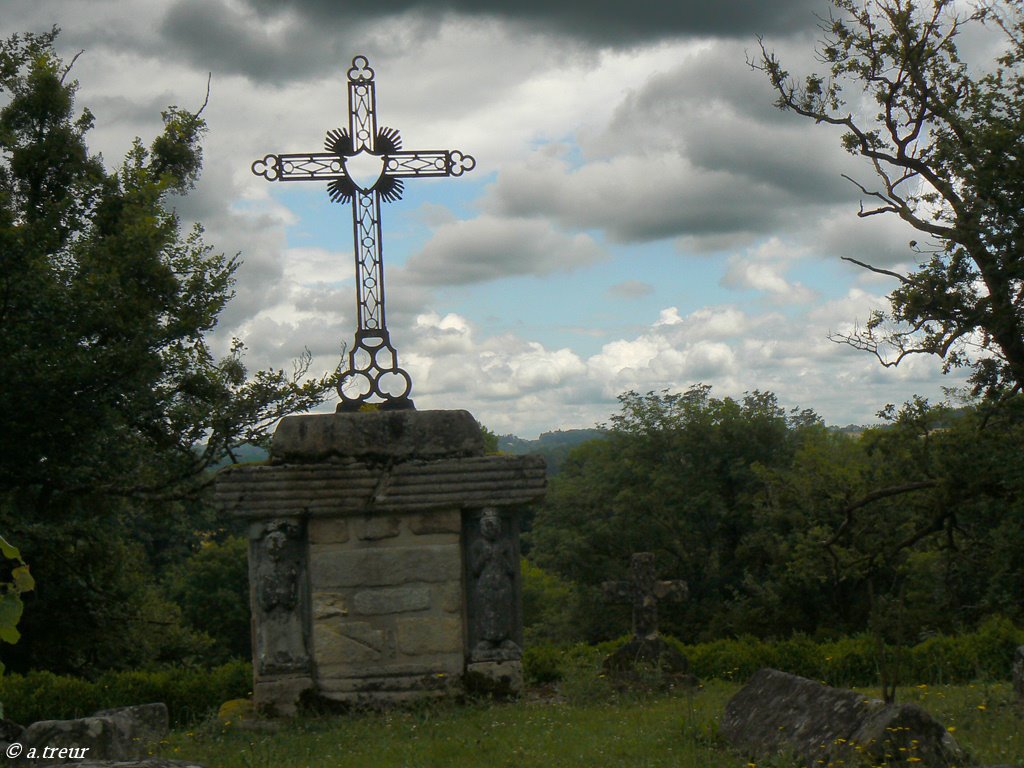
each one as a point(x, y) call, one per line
point(69, 65)
point(870, 498)
point(880, 271)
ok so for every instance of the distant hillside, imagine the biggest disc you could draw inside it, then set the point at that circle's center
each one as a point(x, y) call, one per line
point(244, 453)
point(553, 446)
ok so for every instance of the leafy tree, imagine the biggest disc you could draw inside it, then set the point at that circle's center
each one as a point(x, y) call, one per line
point(945, 144)
point(212, 588)
point(905, 531)
point(551, 608)
point(96, 604)
point(108, 385)
point(676, 476)
point(915, 520)
point(112, 404)
point(781, 525)
point(15, 580)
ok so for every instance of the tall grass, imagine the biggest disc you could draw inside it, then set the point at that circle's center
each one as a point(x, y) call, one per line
point(585, 721)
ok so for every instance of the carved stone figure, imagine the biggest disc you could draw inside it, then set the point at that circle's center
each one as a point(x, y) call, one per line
point(493, 569)
point(278, 573)
point(277, 578)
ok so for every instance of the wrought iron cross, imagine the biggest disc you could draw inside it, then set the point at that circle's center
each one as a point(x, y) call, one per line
point(643, 591)
point(364, 164)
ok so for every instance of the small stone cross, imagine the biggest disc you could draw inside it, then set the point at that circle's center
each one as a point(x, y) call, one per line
point(644, 592)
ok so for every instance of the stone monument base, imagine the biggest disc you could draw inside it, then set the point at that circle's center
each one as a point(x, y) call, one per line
point(500, 679)
point(652, 651)
point(384, 555)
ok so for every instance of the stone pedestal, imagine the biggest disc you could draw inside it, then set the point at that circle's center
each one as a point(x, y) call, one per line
point(384, 556)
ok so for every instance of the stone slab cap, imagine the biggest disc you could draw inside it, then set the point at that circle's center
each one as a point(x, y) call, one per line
point(336, 488)
point(377, 436)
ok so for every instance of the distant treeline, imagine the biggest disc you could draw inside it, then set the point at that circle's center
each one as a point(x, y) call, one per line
point(781, 525)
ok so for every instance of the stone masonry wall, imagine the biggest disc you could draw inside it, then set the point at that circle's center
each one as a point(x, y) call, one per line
point(387, 619)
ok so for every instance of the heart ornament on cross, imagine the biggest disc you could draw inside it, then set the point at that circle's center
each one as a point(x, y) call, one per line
point(364, 168)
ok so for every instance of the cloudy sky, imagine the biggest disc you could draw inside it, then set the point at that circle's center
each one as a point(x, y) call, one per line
point(640, 217)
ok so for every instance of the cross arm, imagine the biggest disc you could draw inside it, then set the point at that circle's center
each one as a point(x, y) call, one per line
point(428, 163)
point(617, 591)
point(677, 591)
point(301, 166)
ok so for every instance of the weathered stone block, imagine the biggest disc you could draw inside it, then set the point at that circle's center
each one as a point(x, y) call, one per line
point(448, 521)
point(501, 679)
point(777, 712)
point(384, 436)
point(377, 528)
point(114, 734)
point(907, 731)
point(379, 698)
point(391, 600)
point(10, 732)
point(351, 642)
point(417, 636)
point(449, 596)
point(337, 678)
point(147, 723)
point(387, 566)
point(329, 605)
point(328, 530)
point(279, 696)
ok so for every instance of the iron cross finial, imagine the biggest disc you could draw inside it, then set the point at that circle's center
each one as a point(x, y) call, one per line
point(364, 164)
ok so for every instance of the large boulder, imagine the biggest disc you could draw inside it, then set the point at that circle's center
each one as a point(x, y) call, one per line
point(10, 732)
point(122, 734)
point(781, 713)
point(897, 732)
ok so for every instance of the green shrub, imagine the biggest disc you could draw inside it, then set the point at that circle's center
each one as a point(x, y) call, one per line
point(190, 694)
point(728, 659)
point(212, 589)
point(986, 654)
point(942, 659)
point(850, 661)
point(993, 646)
point(46, 696)
point(543, 664)
point(798, 655)
point(550, 607)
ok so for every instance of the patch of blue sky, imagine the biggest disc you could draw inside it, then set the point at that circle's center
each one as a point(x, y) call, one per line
point(324, 224)
point(830, 277)
point(579, 309)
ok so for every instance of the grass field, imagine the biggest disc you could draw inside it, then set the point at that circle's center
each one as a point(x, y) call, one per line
point(582, 723)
